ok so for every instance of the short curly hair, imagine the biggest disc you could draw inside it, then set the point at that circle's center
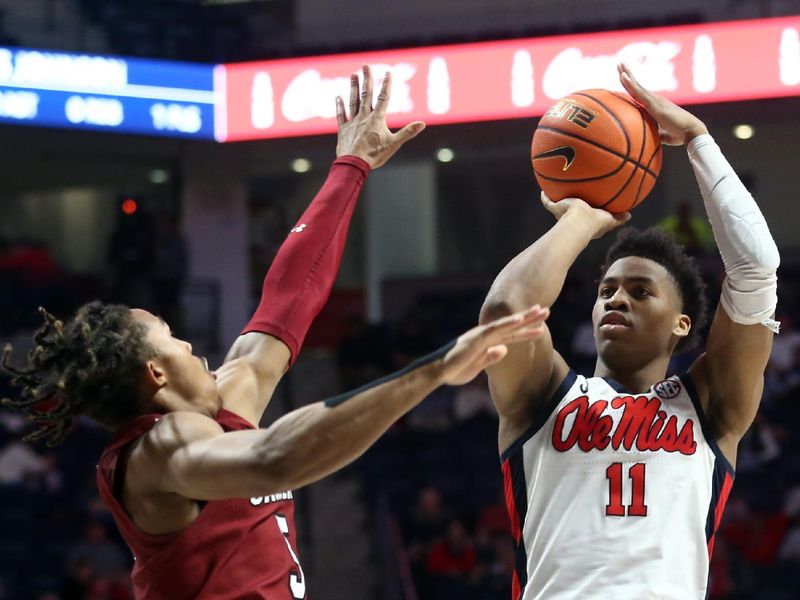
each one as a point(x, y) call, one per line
point(88, 366)
point(662, 248)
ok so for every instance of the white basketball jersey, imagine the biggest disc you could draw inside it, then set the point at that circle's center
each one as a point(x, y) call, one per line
point(615, 495)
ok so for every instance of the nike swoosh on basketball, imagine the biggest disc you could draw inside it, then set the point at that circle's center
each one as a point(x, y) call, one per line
point(565, 152)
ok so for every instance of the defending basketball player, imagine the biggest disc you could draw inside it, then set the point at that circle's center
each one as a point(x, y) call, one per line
point(616, 483)
point(200, 494)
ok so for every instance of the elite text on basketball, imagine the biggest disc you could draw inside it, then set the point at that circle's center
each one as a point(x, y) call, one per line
point(572, 112)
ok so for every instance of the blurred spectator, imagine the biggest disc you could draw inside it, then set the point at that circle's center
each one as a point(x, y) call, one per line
point(473, 399)
point(582, 348)
point(451, 561)
point(691, 231)
point(269, 226)
point(730, 578)
point(412, 340)
point(29, 277)
point(363, 353)
point(17, 459)
point(426, 522)
point(755, 535)
point(789, 379)
point(11, 421)
point(496, 561)
point(494, 518)
point(790, 547)
point(435, 414)
point(117, 588)
point(82, 583)
point(48, 479)
point(104, 556)
point(758, 447)
point(31, 262)
point(785, 345)
point(79, 580)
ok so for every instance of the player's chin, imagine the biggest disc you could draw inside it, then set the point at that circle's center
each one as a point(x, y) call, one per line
point(622, 344)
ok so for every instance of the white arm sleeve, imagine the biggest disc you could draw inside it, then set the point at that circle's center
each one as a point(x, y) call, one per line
point(749, 292)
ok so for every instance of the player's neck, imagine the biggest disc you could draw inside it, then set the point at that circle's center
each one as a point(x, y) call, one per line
point(635, 380)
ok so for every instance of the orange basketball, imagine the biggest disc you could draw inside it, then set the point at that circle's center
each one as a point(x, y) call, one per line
point(599, 146)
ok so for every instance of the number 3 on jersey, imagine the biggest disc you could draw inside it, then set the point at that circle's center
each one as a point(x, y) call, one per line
point(297, 583)
point(637, 507)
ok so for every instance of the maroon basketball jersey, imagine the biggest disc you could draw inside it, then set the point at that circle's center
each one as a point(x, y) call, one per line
point(235, 549)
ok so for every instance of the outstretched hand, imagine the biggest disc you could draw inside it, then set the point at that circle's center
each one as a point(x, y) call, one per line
point(364, 133)
point(676, 126)
point(486, 345)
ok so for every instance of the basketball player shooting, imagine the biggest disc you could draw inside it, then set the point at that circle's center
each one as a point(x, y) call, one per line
point(200, 494)
point(616, 483)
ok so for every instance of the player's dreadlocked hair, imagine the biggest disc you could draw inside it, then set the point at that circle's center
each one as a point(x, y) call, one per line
point(662, 248)
point(87, 366)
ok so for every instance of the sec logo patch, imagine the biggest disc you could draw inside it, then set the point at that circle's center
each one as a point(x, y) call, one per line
point(669, 388)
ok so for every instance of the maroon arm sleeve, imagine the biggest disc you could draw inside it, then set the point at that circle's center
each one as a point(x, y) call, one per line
point(300, 278)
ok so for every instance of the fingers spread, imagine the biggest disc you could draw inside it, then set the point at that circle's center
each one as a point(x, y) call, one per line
point(535, 313)
point(354, 104)
point(520, 327)
point(341, 117)
point(502, 328)
point(523, 335)
point(409, 131)
point(384, 95)
point(366, 90)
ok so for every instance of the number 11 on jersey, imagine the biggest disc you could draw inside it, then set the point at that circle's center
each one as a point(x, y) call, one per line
point(637, 507)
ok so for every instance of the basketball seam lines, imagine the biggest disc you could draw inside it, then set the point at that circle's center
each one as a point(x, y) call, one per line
point(641, 181)
point(613, 116)
point(635, 168)
point(592, 143)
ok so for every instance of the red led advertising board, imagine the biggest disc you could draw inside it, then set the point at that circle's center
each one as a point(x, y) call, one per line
point(693, 64)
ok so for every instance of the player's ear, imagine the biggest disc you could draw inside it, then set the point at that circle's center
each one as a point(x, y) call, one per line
point(154, 375)
point(683, 325)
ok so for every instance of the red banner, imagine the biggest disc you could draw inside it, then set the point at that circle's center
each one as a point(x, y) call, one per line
point(719, 62)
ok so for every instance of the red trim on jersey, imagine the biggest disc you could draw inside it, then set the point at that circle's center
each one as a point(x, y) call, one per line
point(723, 499)
point(511, 505)
point(516, 588)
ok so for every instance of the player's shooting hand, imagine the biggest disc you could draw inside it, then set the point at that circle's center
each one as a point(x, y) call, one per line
point(676, 126)
point(598, 220)
point(364, 133)
point(486, 345)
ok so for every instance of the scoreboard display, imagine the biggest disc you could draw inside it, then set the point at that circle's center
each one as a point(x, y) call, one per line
point(463, 83)
point(105, 93)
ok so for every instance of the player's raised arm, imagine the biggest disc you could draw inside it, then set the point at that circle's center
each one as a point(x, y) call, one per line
point(730, 375)
point(536, 276)
point(193, 457)
point(300, 278)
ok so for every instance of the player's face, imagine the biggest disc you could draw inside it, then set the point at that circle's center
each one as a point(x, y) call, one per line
point(187, 376)
point(637, 314)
